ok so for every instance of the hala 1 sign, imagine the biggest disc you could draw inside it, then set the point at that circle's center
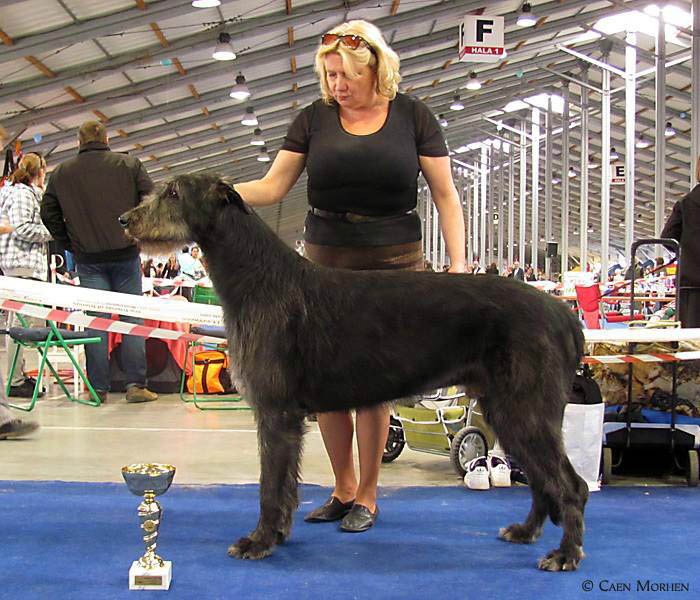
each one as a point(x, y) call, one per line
point(481, 39)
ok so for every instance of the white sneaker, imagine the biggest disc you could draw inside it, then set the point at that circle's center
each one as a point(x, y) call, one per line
point(477, 475)
point(499, 471)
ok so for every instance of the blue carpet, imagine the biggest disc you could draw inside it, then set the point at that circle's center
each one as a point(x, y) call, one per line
point(77, 540)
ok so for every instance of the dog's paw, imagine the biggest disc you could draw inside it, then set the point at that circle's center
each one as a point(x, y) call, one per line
point(249, 548)
point(518, 534)
point(557, 560)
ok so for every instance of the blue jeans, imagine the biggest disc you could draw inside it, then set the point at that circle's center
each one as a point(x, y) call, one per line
point(118, 276)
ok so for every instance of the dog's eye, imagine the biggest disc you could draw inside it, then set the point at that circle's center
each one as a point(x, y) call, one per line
point(172, 192)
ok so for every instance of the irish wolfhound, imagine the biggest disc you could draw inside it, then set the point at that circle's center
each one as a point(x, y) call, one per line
point(304, 338)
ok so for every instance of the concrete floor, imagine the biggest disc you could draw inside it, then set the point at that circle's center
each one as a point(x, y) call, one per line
point(84, 443)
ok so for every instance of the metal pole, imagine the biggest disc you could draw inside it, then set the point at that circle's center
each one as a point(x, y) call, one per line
point(630, 105)
point(475, 215)
point(660, 147)
point(605, 177)
point(467, 217)
point(548, 187)
point(695, 95)
point(565, 181)
point(492, 195)
point(511, 203)
point(583, 208)
point(499, 201)
point(523, 189)
point(535, 213)
point(484, 204)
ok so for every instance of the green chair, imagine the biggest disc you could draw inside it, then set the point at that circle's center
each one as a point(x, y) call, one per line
point(42, 339)
point(208, 402)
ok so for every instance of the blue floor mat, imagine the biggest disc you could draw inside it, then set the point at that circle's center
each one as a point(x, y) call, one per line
point(77, 540)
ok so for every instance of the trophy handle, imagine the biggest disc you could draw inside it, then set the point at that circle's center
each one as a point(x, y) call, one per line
point(150, 514)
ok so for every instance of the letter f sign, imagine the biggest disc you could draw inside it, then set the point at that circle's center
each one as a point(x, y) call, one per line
point(483, 26)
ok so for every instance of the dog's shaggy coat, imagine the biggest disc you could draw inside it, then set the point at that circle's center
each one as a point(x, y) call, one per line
point(304, 338)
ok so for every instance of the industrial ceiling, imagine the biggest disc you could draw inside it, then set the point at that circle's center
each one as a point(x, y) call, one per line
point(145, 69)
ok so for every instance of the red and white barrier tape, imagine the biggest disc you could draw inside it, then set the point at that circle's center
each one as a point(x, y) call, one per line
point(80, 298)
point(80, 319)
point(621, 359)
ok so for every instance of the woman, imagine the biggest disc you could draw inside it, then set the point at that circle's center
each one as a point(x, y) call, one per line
point(171, 269)
point(24, 251)
point(363, 145)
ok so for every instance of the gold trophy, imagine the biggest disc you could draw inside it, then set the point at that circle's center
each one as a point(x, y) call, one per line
point(150, 572)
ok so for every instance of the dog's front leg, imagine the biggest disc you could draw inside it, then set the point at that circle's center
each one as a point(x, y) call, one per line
point(280, 443)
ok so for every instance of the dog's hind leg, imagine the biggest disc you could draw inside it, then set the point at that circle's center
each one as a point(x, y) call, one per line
point(280, 444)
point(557, 491)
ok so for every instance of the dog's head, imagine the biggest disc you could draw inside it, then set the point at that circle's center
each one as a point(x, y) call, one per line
point(180, 211)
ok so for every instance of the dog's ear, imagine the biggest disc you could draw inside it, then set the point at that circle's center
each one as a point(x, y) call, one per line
point(225, 192)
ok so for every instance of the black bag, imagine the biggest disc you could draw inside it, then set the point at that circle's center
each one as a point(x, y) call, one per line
point(585, 390)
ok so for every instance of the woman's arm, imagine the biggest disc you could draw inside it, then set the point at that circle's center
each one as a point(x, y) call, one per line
point(21, 217)
point(438, 174)
point(273, 187)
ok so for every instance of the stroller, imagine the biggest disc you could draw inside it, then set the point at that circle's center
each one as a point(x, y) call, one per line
point(445, 422)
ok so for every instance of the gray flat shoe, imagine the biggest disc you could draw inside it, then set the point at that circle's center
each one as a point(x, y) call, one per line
point(359, 519)
point(331, 510)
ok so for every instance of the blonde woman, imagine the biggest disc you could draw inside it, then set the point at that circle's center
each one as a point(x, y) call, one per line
point(24, 251)
point(363, 145)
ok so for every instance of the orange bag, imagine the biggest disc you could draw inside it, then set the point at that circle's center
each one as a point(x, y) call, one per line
point(211, 374)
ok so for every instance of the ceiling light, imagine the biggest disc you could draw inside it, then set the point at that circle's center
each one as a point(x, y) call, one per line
point(224, 49)
point(240, 91)
point(614, 155)
point(526, 18)
point(257, 139)
point(249, 117)
point(669, 131)
point(572, 173)
point(456, 104)
point(592, 164)
point(206, 3)
point(642, 142)
point(473, 83)
point(556, 181)
point(590, 229)
point(263, 156)
point(442, 120)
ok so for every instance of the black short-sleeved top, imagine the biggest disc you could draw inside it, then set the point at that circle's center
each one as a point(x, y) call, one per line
point(373, 175)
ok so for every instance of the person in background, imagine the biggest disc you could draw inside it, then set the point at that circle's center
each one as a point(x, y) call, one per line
point(24, 252)
point(85, 196)
point(171, 268)
point(492, 269)
point(684, 226)
point(363, 145)
point(517, 272)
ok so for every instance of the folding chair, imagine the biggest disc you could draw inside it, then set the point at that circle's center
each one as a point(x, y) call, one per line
point(217, 402)
point(590, 301)
point(42, 339)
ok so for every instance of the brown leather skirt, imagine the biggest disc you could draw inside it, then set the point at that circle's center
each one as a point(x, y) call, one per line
point(404, 257)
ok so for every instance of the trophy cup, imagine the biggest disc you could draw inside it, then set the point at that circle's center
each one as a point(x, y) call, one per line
point(150, 572)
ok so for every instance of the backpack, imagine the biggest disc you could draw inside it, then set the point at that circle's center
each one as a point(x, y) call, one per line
point(211, 374)
point(585, 390)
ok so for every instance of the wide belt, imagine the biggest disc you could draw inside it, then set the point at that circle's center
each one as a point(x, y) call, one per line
point(351, 217)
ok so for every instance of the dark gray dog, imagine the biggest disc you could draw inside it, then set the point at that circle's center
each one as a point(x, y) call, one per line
point(304, 338)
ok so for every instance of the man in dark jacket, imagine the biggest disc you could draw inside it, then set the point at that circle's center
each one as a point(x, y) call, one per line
point(684, 225)
point(81, 205)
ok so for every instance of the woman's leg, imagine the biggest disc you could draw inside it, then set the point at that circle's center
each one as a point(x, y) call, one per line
point(337, 431)
point(372, 432)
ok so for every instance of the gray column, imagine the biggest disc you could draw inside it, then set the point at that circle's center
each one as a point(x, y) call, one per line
point(695, 95)
point(484, 204)
point(511, 202)
point(475, 215)
point(501, 211)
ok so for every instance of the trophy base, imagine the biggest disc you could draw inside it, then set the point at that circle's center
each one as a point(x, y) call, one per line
point(141, 578)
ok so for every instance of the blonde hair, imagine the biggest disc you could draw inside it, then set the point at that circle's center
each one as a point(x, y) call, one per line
point(92, 131)
point(28, 169)
point(384, 61)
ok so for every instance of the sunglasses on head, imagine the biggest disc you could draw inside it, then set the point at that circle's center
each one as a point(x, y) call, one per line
point(349, 40)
